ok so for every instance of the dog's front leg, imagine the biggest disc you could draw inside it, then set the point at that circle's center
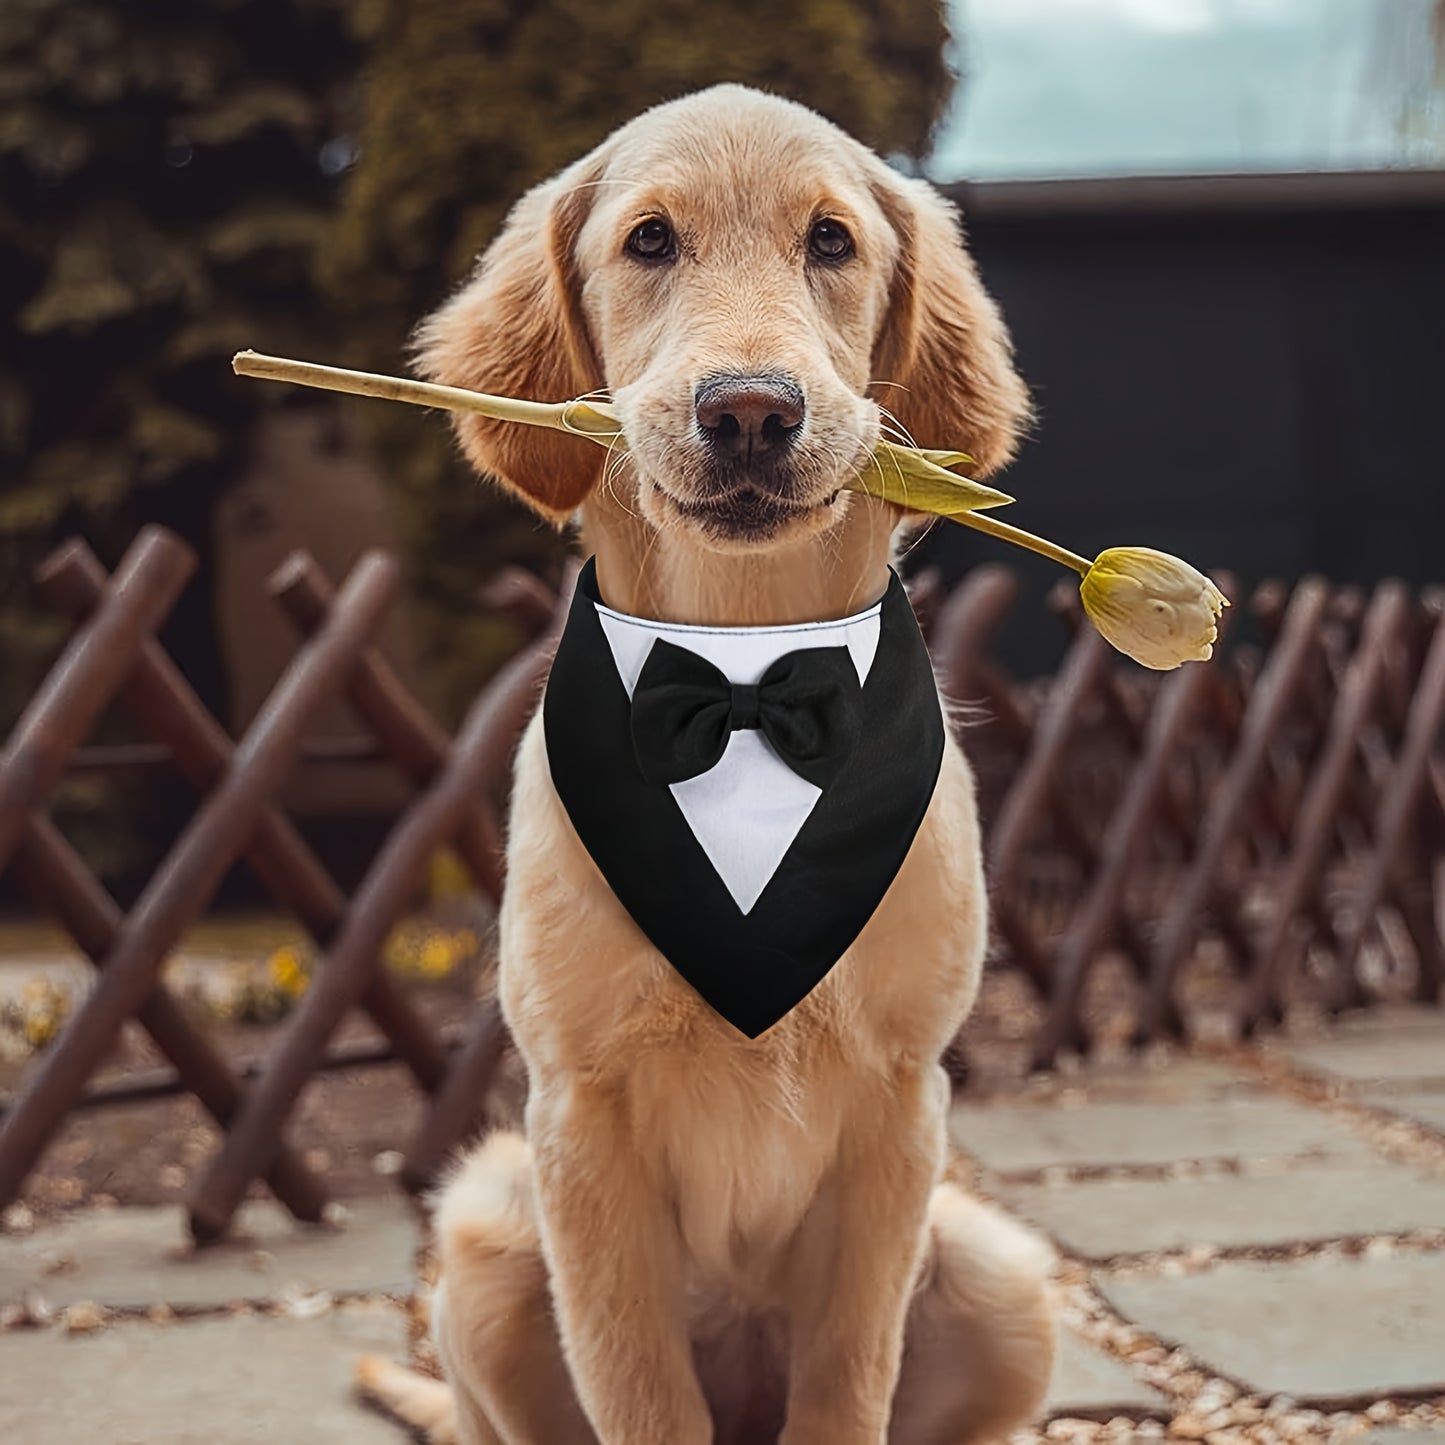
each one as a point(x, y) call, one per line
point(857, 1263)
point(615, 1262)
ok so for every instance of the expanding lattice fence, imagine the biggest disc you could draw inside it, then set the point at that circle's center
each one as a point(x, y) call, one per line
point(1279, 813)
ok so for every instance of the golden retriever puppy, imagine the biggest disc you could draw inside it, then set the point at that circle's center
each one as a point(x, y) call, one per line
point(715, 1232)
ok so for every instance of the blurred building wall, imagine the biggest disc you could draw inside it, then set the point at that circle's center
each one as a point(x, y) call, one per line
point(306, 486)
point(1247, 371)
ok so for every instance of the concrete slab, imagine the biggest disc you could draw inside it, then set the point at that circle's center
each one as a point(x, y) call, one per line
point(132, 1258)
point(1372, 1055)
point(1088, 1382)
point(235, 1381)
point(1388, 1018)
point(1102, 1218)
point(1424, 1106)
point(1015, 1138)
point(1317, 1329)
point(1395, 1436)
point(1139, 1081)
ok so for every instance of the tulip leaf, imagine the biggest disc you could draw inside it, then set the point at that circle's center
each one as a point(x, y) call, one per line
point(921, 481)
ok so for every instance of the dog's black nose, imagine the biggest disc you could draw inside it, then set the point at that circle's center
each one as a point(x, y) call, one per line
point(742, 416)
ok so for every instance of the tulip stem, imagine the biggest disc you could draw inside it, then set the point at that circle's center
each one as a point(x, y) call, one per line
point(981, 522)
point(396, 388)
point(574, 416)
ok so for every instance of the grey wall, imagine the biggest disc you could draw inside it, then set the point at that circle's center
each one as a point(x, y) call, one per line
point(1253, 389)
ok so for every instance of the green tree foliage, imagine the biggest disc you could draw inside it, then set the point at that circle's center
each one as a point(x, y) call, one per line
point(169, 176)
point(167, 173)
point(467, 103)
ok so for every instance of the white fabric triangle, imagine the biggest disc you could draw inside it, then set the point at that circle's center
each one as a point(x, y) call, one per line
point(746, 811)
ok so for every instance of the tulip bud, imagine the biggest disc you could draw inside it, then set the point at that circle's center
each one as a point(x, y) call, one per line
point(1153, 607)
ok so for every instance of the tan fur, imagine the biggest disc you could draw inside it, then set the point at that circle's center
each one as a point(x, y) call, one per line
point(707, 1238)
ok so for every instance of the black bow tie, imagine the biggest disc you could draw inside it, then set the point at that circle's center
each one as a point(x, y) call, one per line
point(807, 705)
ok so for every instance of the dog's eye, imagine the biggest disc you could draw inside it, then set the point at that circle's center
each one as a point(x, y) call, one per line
point(653, 241)
point(829, 241)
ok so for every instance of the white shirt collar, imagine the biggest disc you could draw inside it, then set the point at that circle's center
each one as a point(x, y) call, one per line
point(742, 653)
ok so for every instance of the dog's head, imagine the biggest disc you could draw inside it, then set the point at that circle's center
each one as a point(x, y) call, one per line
point(751, 286)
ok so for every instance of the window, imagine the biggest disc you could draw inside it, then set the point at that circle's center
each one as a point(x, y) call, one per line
point(1111, 87)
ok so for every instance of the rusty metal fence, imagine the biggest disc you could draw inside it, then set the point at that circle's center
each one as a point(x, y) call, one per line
point(1280, 812)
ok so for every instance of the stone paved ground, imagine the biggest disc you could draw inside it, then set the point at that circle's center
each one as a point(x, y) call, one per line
point(122, 1335)
point(1252, 1249)
point(1259, 1237)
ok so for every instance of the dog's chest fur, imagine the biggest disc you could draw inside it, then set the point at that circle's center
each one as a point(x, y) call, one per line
point(743, 1135)
point(743, 1145)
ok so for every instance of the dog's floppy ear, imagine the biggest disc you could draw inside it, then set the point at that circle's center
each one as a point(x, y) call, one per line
point(515, 328)
point(943, 344)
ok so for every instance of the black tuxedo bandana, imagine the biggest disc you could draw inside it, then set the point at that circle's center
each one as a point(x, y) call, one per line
point(883, 744)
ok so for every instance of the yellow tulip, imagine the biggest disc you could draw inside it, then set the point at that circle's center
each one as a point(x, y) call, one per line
point(1158, 610)
point(1153, 607)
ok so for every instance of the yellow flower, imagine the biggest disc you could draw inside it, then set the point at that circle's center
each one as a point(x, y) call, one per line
point(399, 950)
point(448, 877)
point(41, 1027)
point(1157, 609)
point(287, 972)
point(437, 956)
point(43, 1009)
point(1151, 606)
